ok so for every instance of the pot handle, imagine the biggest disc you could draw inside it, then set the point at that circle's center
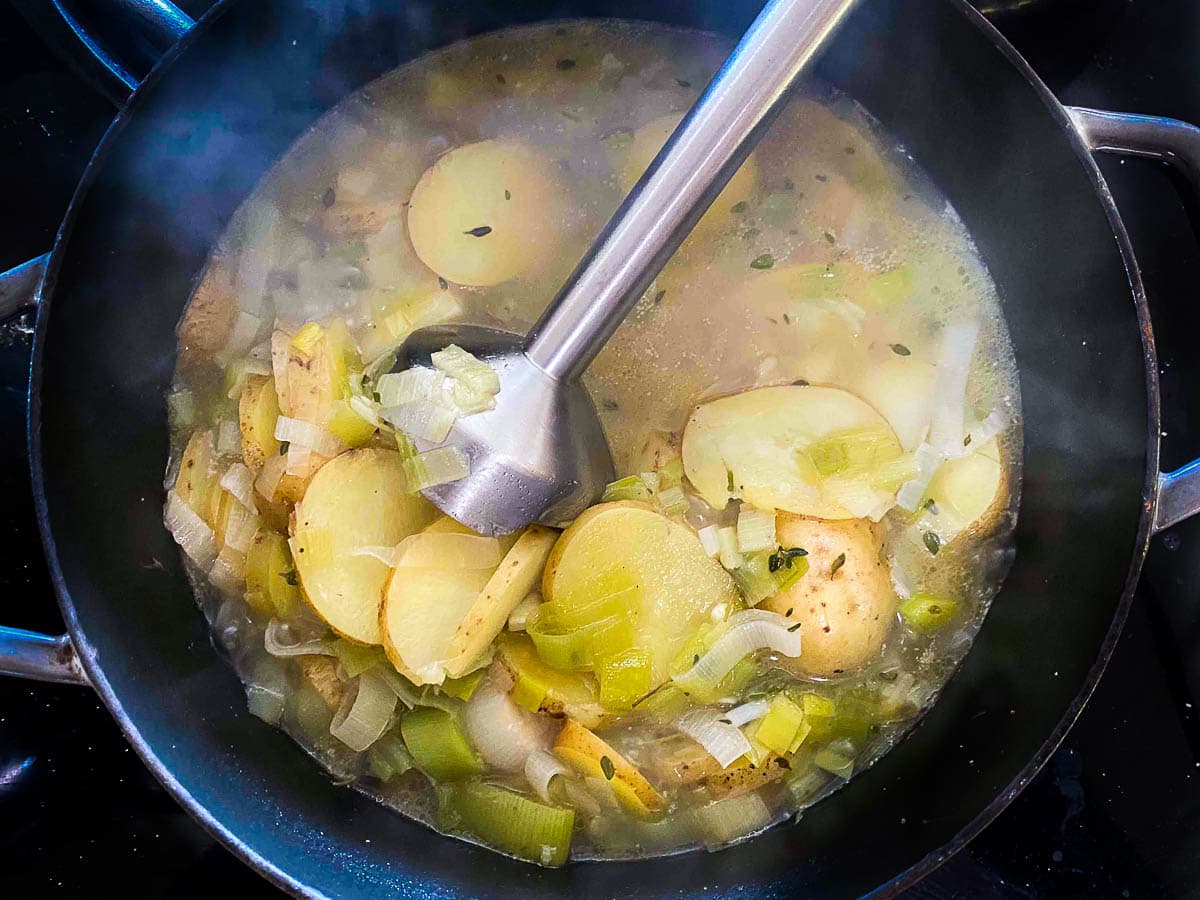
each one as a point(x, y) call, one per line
point(1177, 144)
point(113, 44)
point(28, 654)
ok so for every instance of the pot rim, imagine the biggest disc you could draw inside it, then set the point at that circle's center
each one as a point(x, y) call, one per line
point(903, 879)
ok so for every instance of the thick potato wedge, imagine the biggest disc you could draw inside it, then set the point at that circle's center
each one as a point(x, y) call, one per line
point(197, 478)
point(518, 573)
point(845, 609)
point(634, 543)
point(258, 408)
point(586, 753)
point(749, 444)
point(358, 499)
point(487, 212)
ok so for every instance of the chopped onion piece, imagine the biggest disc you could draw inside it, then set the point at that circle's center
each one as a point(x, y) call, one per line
point(241, 525)
point(726, 820)
point(190, 531)
point(950, 386)
point(365, 712)
point(272, 473)
point(245, 329)
point(279, 640)
point(720, 733)
point(368, 409)
point(228, 571)
point(728, 549)
point(710, 540)
point(229, 439)
point(519, 617)
point(422, 419)
point(239, 481)
point(281, 343)
point(755, 529)
point(673, 501)
point(540, 769)
point(413, 384)
point(299, 459)
point(746, 632)
point(467, 370)
point(504, 733)
point(440, 466)
point(306, 435)
point(386, 555)
point(984, 431)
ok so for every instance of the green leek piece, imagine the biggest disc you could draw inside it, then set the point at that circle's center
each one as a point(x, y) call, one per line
point(671, 474)
point(581, 648)
point(836, 759)
point(356, 659)
point(727, 544)
point(672, 501)
point(525, 828)
point(924, 613)
point(767, 573)
point(632, 487)
point(537, 685)
point(853, 449)
point(802, 734)
point(890, 288)
point(464, 687)
point(607, 600)
point(889, 476)
point(778, 728)
point(624, 678)
point(668, 702)
point(348, 426)
point(438, 746)
point(308, 711)
point(388, 757)
point(820, 713)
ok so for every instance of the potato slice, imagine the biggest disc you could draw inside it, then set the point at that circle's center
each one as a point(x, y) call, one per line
point(540, 688)
point(592, 757)
point(422, 609)
point(901, 388)
point(309, 383)
point(845, 608)
point(749, 444)
point(487, 212)
point(211, 313)
point(258, 408)
point(516, 576)
point(646, 143)
point(966, 492)
point(745, 776)
point(633, 542)
point(197, 478)
point(271, 581)
point(358, 499)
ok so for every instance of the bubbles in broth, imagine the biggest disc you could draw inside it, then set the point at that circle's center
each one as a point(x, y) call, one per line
point(813, 413)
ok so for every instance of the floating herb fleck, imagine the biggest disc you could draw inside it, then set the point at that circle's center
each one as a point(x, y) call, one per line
point(740, 207)
point(799, 382)
point(821, 178)
point(765, 261)
point(837, 564)
point(658, 297)
point(750, 234)
point(507, 195)
point(565, 65)
point(967, 441)
point(782, 559)
point(695, 658)
point(481, 231)
point(931, 506)
point(683, 82)
point(443, 283)
point(283, 448)
point(606, 766)
point(932, 542)
point(500, 78)
point(290, 577)
point(829, 238)
point(610, 405)
point(788, 184)
point(788, 614)
point(890, 675)
point(725, 721)
point(795, 627)
point(729, 480)
point(901, 350)
point(328, 198)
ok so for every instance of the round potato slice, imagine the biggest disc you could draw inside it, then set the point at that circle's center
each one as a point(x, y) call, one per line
point(750, 444)
point(358, 499)
point(844, 602)
point(487, 212)
point(649, 139)
point(629, 542)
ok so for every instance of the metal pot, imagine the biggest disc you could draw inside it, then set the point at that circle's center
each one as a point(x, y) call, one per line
point(232, 95)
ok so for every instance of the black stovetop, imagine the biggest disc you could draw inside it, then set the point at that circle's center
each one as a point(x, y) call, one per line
point(1116, 812)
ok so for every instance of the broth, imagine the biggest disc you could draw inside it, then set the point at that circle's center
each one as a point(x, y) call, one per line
point(829, 268)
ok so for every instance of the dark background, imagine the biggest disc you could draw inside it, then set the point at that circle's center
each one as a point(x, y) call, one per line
point(1116, 812)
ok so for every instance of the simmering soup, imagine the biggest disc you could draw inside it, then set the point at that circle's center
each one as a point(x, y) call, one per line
point(813, 414)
